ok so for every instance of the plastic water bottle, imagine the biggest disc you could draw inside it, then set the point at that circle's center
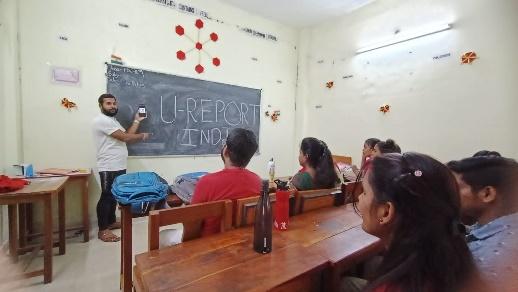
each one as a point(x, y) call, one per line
point(271, 169)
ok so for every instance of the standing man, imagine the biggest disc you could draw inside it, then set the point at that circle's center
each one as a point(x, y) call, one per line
point(110, 139)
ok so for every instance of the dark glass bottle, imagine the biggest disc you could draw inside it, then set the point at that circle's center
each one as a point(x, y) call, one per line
point(263, 221)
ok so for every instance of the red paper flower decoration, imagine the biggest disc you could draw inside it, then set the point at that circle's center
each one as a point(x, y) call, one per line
point(198, 46)
point(274, 116)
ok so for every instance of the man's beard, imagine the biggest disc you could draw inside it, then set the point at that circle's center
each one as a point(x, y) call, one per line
point(110, 113)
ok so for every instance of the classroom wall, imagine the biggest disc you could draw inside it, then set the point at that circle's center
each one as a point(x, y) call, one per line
point(55, 137)
point(10, 128)
point(438, 106)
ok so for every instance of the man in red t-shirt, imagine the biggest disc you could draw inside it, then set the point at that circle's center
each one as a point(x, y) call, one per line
point(234, 181)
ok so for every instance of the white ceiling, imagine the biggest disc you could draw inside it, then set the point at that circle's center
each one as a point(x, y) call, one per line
point(299, 13)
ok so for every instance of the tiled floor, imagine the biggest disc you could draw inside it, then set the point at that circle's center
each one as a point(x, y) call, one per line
point(92, 266)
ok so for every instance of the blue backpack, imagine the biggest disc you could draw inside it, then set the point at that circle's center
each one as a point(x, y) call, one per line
point(139, 188)
point(185, 184)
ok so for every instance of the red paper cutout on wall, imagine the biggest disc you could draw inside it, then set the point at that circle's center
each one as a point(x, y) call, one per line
point(468, 58)
point(198, 46)
point(384, 108)
point(274, 116)
point(68, 104)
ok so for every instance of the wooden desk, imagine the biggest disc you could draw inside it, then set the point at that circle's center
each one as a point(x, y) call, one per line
point(345, 250)
point(25, 210)
point(82, 178)
point(227, 262)
point(44, 190)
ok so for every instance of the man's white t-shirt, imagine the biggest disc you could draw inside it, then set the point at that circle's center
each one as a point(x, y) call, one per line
point(112, 154)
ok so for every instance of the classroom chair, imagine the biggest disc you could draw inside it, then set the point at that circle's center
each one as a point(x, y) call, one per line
point(191, 217)
point(315, 199)
point(244, 214)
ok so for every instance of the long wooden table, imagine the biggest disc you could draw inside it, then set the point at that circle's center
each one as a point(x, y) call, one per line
point(309, 256)
point(43, 190)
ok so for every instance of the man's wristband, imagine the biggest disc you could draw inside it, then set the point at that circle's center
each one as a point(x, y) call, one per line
point(136, 122)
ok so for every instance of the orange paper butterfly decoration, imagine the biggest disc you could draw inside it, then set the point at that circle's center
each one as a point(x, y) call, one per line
point(68, 104)
point(330, 84)
point(384, 108)
point(468, 58)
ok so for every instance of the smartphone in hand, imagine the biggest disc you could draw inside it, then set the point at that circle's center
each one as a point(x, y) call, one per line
point(142, 111)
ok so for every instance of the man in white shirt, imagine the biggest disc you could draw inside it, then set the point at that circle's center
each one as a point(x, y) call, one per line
point(110, 139)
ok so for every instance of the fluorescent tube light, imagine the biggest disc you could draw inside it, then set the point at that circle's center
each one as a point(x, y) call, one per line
point(406, 37)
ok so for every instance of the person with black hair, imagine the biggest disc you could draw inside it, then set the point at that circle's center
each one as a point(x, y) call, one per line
point(383, 147)
point(110, 140)
point(234, 181)
point(488, 187)
point(486, 153)
point(410, 201)
point(367, 151)
point(318, 170)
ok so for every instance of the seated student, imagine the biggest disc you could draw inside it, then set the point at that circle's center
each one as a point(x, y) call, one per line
point(318, 171)
point(383, 147)
point(487, 153)
point(410, 202)
point(368, 148)
point(488, 187)
point(234, 181)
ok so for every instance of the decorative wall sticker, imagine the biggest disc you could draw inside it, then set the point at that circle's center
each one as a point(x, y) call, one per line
point(274, 115)
point(468, 57)
point(347, 76)
point(63, 38)
point(330, 84)
point(385, 108)
point(198, 45)
point(66, 103)
point(124, 25)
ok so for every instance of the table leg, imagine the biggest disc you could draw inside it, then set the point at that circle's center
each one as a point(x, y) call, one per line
point(30, 222)
point(22, 221)
point(61, 221)
point(126, 248)
point(86, 219)
point(47, 240)
point(12, 211)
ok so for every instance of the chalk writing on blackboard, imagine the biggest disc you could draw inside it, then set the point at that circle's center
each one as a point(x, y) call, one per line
point(186, 116)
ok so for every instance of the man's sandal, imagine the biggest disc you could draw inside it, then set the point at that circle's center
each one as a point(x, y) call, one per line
point(107, 236)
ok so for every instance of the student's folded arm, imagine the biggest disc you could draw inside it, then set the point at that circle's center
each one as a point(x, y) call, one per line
point(127, 137)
